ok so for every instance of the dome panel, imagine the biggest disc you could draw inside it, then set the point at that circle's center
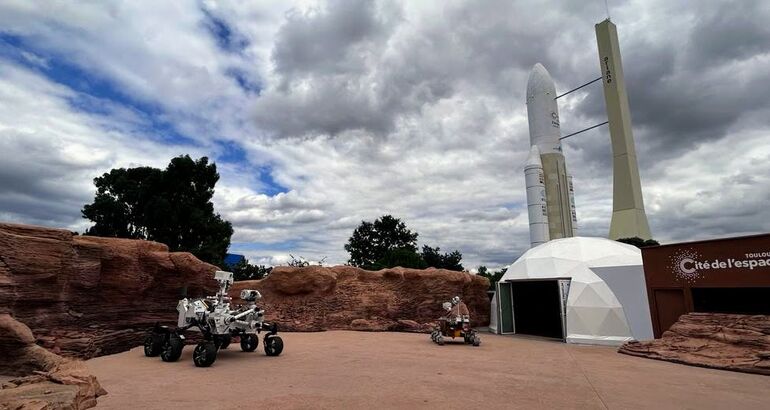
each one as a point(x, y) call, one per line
point(593, 310)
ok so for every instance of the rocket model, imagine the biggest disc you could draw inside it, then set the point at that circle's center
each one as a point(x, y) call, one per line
point(550, 195)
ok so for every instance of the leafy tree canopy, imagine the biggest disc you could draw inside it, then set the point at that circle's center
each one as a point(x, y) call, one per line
point(171, 206)
point(434, 258)
point(639, 242)
point(243, 270)
point(404, 257)
point(371, 241)
point(493, 277)
point(387, 243)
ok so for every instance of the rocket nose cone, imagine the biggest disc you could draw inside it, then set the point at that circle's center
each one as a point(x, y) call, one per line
point(540, 82)
point(539, 69)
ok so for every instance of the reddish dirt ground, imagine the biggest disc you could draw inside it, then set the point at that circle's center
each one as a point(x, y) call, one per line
point(344, 369)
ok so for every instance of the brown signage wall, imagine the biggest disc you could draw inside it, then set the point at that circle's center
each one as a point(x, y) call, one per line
point(719, 275)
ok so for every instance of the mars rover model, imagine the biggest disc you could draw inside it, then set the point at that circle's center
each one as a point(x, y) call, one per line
point(456, 323)
point(219, 322)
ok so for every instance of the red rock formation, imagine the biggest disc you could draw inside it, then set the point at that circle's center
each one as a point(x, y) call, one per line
point(715, 340)
point(49, 381)
point(344, 297)
point(87, 296)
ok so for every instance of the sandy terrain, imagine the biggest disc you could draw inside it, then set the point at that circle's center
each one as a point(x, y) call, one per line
point(343, 370)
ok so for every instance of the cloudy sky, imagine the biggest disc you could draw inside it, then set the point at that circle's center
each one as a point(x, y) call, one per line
point(320, 114)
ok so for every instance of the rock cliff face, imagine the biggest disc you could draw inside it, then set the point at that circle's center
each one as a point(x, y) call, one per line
point(64, 296)
point(48, 381)
point(715, 340)
point(86, 296)
point(343, 297)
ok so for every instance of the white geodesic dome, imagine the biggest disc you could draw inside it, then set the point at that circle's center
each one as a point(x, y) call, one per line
point(607, 300)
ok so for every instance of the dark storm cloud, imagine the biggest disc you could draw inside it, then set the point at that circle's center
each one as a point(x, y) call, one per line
point(715, 212)
point(419, 106)
point(333, 40)
point(694, 85)
point(34, 184)
point(363, 66)
point(734, 31)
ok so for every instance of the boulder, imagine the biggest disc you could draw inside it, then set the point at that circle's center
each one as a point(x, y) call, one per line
point(44, 380)
point(715, 340)
point(86, 296)
point(316, 298)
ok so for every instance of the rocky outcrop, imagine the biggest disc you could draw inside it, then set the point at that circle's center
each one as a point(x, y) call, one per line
point(715, 340)
point(47, 380)
point(87, 296)
point(318, 298)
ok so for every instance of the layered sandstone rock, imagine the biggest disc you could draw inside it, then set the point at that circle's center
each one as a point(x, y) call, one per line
point(86, 296)
point(715, 340)
point(318, 298)
point(43, 379)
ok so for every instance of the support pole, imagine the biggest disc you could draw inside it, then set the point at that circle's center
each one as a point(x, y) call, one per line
point(628, 216)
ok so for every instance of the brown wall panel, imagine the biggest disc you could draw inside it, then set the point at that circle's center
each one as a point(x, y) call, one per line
point(672, 270)
point(669, 305)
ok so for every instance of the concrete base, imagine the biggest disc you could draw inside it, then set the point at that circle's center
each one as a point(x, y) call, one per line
point(629, 223)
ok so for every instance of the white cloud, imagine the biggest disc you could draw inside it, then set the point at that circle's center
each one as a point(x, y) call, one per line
point(413, 109)
point(51, 152)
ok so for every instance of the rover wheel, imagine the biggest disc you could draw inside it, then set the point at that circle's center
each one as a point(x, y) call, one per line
point(476, 340)
point(440, 340)
point(273, 346)
point(249, 342)
point(205, 354)
point(172, 348)
point(152, 347)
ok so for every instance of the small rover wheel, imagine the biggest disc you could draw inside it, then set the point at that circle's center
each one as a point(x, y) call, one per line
point(205, 354)
point(476, 340)
point(273, 345)
point(440, 340)
point(249, 342)
point(172, 348)
point(152, 347)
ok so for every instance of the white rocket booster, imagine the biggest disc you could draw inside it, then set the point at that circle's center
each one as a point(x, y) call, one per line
point(544, 134)
point(536, 205)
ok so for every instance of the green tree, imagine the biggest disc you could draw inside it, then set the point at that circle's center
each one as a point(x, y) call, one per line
point(243, 270)
point(434, 258)
point(493, 277)
point(403, 257)
point(371, 241)
point(639, 242)
point(171, 206)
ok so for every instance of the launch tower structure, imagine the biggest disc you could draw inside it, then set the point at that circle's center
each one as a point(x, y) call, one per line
point(628, 216)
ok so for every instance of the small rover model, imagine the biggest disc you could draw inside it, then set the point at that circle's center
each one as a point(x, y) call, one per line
point(219, 322)
point(456, 323)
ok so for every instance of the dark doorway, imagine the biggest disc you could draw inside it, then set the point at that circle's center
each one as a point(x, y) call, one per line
point(537, 308)
point(747, 301)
